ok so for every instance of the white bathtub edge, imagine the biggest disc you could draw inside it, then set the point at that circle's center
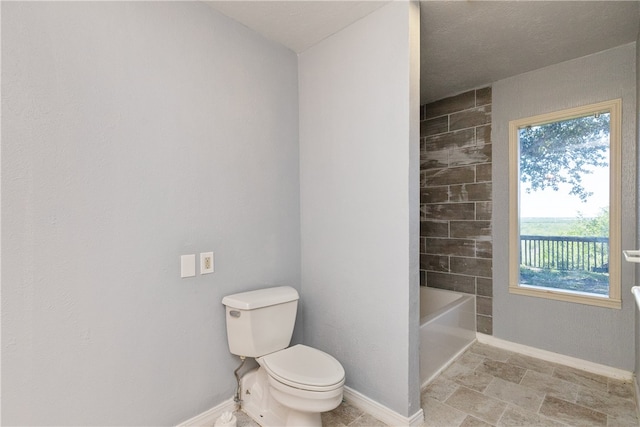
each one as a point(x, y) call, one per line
point(446, 365)
point(381, 412)
point(460, 299)
point(549, 356)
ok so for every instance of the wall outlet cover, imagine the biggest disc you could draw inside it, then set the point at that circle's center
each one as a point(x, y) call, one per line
point(206, 262)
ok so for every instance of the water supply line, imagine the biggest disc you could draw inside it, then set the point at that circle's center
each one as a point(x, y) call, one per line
point(238, 397)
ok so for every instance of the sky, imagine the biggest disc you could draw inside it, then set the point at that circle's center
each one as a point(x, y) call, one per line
point(549, 203)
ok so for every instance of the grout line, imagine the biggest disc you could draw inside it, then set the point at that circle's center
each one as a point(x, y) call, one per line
point(502, 414)
point(544, 396)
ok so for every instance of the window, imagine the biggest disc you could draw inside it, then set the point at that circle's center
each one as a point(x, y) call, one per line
point(564, 197)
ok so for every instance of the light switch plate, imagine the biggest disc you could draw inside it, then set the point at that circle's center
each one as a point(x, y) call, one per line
point(188, 265)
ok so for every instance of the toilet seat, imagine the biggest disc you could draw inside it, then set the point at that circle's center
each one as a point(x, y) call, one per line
point(304, 368)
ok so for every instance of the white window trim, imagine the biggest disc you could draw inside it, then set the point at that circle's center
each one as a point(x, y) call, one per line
point(613, 300)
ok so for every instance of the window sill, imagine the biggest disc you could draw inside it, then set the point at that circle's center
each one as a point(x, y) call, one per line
point(577, 297)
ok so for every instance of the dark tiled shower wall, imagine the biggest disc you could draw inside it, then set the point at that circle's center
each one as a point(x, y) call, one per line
point(455, 198)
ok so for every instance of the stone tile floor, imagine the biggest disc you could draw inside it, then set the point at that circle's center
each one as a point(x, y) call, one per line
point(487, 386)
point(343, 416)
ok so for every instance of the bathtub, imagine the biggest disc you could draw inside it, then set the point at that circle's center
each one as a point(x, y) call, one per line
point(447, 328)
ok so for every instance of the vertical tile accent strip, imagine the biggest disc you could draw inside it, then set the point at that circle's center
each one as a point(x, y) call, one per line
point(456, 192)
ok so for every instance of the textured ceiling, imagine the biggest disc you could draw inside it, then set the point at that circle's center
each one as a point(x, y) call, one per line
point(464, 44)
point(468, 44)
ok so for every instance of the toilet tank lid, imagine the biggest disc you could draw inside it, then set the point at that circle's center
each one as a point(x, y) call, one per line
point(260, 298)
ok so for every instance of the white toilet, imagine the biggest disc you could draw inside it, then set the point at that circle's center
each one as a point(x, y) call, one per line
point(292, 386)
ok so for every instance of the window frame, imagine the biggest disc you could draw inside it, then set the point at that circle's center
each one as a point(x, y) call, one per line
point(613, 300)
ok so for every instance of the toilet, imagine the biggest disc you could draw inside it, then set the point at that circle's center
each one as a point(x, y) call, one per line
point(291, 385)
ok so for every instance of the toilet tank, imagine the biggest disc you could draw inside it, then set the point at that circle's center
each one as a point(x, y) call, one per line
point(260, 322)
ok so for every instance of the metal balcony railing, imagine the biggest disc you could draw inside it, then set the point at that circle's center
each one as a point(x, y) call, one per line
point(565, 253)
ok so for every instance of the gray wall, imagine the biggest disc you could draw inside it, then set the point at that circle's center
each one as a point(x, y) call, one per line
point(359, 136)
point(596, 334)
point(133, 133)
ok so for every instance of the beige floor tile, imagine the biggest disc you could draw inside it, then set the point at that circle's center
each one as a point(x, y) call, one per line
point(606, 402)
point(462, 375)
point(470, 360)
point(477, 404)
point(367, 420)
point(521, 418)
point(551, 386)
point(548, 394)
point(474, 422)
point(532, 363)
point(502, 370)
point(491, 352)
point(622, 421)
point(582, 378)
point(440, 389)
point(571, 413)
point(523, 397)
point(621, 388)
point(244, 420)
point(332, 423)
point(342, 415)
point(454, 369)
point(437, 414)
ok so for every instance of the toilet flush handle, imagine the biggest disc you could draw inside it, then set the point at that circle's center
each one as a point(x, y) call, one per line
point(234, 313)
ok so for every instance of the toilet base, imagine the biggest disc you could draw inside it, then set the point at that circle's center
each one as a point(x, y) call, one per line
point(257, 401)
point(263, 408)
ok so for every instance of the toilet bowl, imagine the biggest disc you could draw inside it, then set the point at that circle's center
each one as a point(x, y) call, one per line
point(292, 385)
point(306, 380)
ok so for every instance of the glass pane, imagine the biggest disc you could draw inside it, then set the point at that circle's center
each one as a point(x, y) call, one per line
point(564, 205)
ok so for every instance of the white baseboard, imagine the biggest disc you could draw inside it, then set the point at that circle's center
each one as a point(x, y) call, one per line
point(209, 417)
point(549, 356)
point(381, 412)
